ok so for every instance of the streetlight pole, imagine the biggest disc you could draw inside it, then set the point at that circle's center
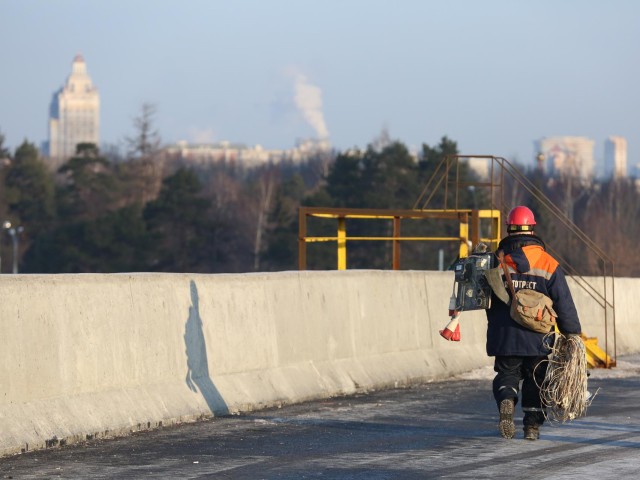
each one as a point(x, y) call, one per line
point(14, 233)
point(5, 225)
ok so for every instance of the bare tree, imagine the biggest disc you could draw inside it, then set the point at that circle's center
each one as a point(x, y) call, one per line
point(265, 186)
point(146, 141)
point(147, 158)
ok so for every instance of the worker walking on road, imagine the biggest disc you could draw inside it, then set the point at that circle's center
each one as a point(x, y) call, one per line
point(519, 350)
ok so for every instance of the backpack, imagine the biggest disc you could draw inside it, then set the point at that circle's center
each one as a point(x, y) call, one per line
point(533, 310)
point(530, 308)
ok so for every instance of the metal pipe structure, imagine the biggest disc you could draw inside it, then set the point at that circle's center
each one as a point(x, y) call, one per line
point(5, 225)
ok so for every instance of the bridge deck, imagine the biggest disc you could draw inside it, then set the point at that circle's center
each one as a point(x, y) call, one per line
point(437, 430)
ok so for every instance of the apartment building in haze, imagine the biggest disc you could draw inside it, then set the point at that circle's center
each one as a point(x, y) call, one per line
point(615, 157)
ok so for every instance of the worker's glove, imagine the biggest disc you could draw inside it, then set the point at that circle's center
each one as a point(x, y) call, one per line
point(573, 337)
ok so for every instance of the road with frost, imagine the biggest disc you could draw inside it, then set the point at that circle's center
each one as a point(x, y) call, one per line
point(436, 430)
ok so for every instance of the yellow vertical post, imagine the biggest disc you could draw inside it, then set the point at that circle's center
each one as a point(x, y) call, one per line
point(464, 235)
point(342, 243)
point(496, 229)
point(475, 227)
point(396, 243)
point(302, 239)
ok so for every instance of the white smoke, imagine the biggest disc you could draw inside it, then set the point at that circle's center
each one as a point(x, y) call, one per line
point(308, 99)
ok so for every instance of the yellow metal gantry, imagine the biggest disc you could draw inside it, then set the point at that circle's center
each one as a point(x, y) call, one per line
point(469, 229)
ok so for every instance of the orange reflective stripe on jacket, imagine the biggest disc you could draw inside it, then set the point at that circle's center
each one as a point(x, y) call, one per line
point(541, 264)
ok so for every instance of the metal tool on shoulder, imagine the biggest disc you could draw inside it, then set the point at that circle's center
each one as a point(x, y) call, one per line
point(471, 290)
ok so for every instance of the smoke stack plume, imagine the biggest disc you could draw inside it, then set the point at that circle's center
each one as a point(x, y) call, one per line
point(308, 99)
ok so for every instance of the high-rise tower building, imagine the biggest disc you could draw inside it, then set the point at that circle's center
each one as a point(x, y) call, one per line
point(74, 116)
point(615, 157)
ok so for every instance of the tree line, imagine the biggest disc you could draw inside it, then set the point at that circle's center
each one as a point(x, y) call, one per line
point(150, 212)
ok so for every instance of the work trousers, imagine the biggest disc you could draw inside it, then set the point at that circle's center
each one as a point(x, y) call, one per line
point(511, 370)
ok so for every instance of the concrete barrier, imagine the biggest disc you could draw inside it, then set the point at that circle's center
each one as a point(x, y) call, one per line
point(88, 356)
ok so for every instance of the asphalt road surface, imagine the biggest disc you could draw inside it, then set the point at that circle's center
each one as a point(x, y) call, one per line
point(437, 430)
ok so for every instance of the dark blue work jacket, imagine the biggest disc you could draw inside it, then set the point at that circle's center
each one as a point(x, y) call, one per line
point(530, 267)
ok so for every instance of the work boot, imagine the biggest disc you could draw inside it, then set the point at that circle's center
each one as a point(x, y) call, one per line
point(506, 426)
point(531, 432)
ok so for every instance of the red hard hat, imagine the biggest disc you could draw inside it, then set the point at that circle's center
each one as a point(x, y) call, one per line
point(520, 219)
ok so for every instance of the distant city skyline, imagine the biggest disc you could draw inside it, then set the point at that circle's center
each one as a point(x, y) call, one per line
point(75, 109)
point(74, 118)
point(493, 76)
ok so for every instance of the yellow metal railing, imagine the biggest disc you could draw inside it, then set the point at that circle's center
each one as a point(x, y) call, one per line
point(468, 220)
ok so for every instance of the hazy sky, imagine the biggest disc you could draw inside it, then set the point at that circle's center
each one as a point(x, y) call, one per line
point(492, 75)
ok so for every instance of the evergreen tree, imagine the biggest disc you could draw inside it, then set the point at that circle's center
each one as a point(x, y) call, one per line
point(344, 181)
point(180, 225)
point(29, 190)
point(4, 152)
point(5, 162)
point(115, 242)
point(281, 252)
point(89, 188)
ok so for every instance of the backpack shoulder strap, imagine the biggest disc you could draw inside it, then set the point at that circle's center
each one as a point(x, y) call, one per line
point(506, 273)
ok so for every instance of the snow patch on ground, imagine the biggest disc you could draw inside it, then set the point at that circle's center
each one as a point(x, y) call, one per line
point(629, 367)
point(483, 373)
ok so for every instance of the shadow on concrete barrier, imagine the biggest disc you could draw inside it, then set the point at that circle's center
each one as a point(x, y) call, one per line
point(198, 378)
point(89, 356)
